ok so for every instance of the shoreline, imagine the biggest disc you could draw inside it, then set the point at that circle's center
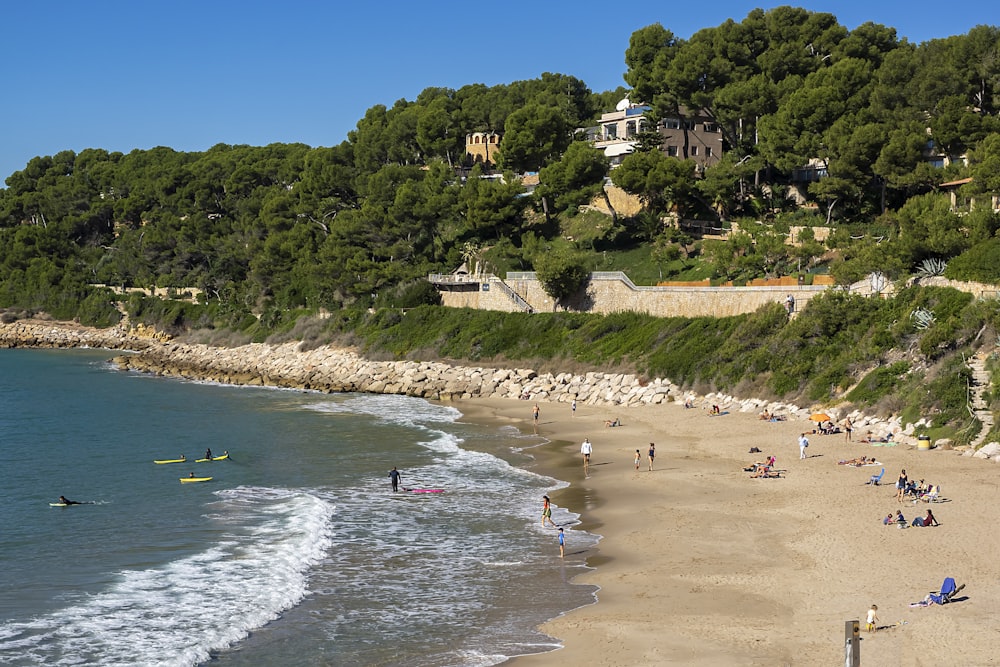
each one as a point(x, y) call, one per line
point(700, 565)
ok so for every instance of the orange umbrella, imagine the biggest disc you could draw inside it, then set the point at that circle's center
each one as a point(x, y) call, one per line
point(821, 417)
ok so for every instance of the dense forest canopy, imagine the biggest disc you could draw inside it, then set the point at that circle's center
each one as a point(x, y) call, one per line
point(274, 231)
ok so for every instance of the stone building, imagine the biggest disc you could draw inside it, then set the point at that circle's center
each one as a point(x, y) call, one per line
point(482, 147)
point(702, 134)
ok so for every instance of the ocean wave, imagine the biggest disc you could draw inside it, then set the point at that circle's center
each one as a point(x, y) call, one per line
point(392, 408)
point(180, 613)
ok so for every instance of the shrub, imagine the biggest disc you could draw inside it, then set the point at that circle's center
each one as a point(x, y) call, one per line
point(980, 263)
point(562, 273)
point(878, 383)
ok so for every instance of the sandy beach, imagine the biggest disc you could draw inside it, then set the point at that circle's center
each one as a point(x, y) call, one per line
point(701, 565)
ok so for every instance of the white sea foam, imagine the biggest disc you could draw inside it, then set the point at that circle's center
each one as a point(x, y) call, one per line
point(180, 613)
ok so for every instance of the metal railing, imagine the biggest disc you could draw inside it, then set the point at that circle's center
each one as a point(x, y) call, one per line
point(455, 279)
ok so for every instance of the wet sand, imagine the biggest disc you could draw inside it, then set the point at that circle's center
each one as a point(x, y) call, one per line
point(701, 565)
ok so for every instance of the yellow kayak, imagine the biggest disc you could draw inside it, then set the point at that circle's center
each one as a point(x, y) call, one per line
point(170, 461)
point(214, 458)
point(186, 480)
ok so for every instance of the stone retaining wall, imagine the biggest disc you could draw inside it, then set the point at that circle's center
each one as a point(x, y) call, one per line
point(607, 295)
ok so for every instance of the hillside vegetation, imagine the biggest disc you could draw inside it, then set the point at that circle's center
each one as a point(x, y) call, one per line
point(275, 236)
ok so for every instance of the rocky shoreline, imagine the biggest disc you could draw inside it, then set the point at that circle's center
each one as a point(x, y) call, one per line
point(330, 370)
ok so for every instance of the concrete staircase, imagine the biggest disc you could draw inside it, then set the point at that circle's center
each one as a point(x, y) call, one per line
point(977, 387)
point(515, 298)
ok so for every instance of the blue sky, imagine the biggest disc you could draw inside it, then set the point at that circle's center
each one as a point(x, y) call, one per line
point(132, 74)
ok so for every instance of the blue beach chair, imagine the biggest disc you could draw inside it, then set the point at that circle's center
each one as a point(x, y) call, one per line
point(875, 479)
point(947, 592)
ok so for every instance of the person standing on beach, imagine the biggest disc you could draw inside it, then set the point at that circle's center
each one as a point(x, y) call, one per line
point(848, 427)
point(562, 543)
point(803, 443)
point(652, 455)
point(901, 485)
point(638, 457)
point(586, 449)
point(547, 512)
point(573, 408)
point(394, 477)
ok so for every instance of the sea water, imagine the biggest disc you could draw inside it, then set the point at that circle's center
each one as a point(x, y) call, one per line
point(297, 552)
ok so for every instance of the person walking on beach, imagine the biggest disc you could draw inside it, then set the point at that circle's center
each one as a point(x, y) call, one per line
point(394, 477)
point(547, 512)
point(573, 408)
point(562, 543)
point(586, 449)
point(871, 625)
point(638, 457)
point(651, 454)
point(803, 443)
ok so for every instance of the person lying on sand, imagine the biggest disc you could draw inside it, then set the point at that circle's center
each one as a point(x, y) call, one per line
point(857, 461)
point(757, 465)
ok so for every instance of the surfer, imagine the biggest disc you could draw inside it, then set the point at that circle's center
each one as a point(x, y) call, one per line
point(208, 453)
point(64, 501)
point(394, 477)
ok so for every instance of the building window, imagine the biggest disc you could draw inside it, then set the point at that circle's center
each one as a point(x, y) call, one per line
point(672, 151)
point(711, 127)
point(611, 131)
point(708, 151)
point(694, 150)
point(672, 124)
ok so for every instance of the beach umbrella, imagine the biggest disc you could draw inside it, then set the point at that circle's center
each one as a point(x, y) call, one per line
point(820, 417)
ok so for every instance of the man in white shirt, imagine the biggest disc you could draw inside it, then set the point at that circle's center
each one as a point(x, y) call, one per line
point(586, 449)
point(803, 443)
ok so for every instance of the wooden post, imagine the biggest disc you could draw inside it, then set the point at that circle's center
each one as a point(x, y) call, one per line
point(852, 644)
